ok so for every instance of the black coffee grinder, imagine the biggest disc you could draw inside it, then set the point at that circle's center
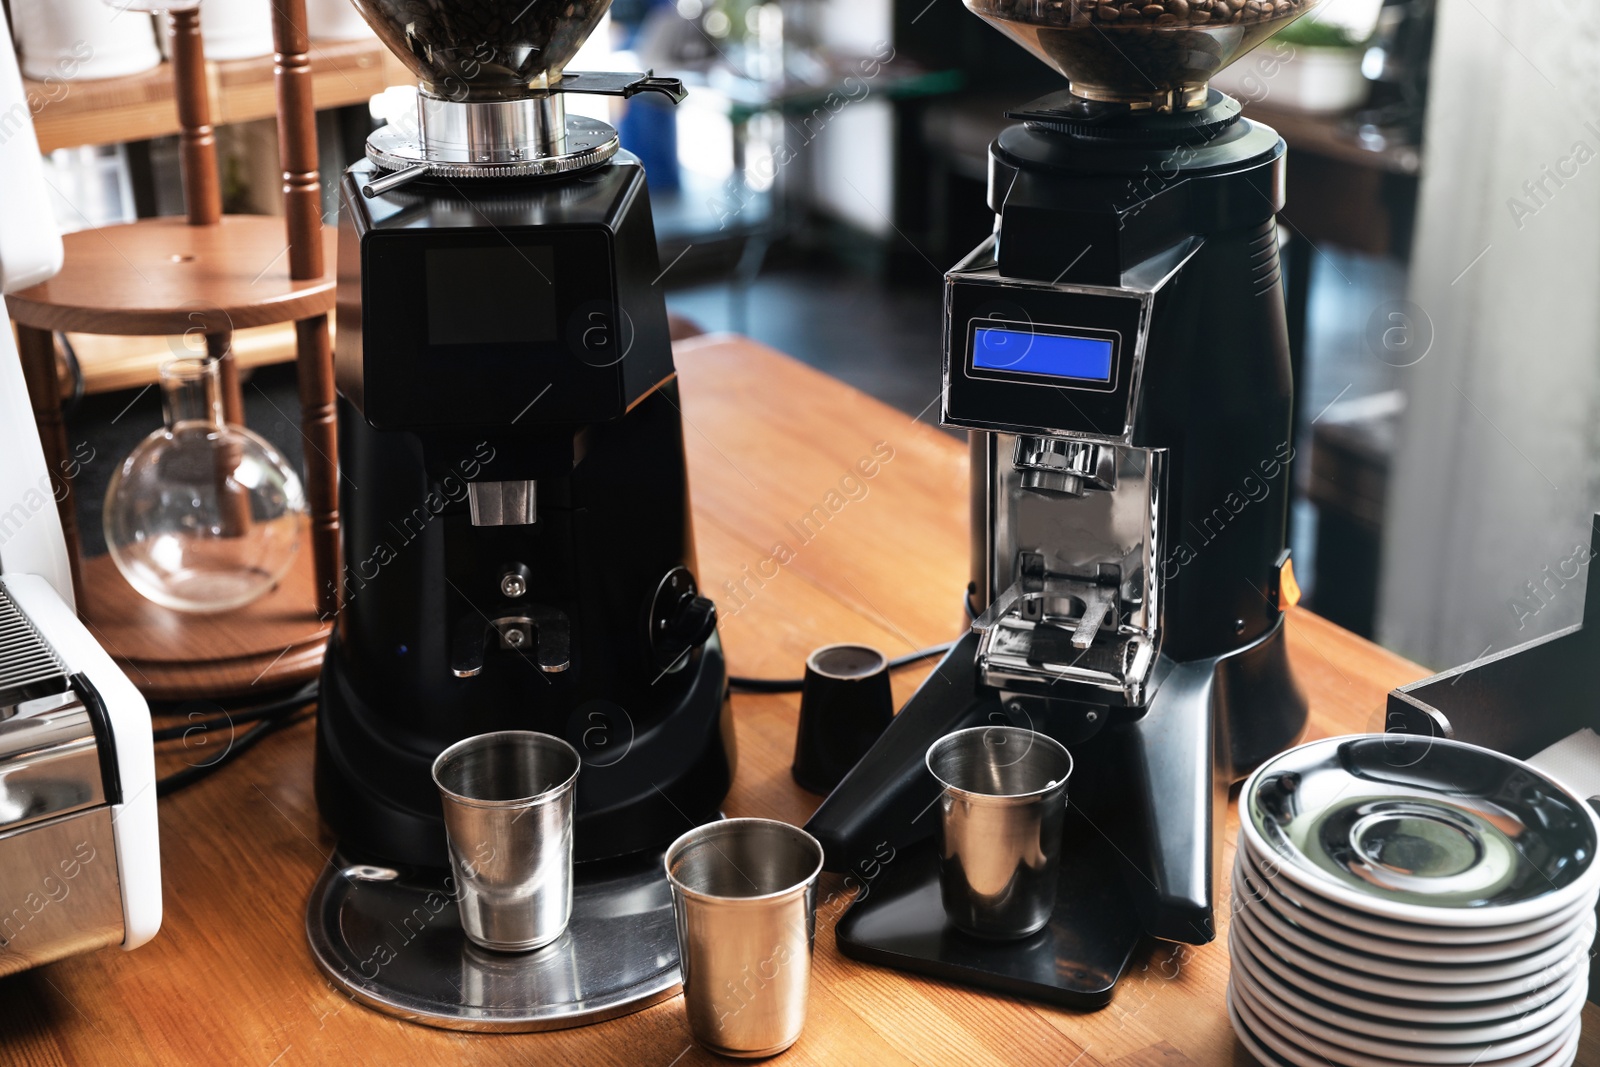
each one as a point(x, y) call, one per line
point(1118, 352)
point(518, 551)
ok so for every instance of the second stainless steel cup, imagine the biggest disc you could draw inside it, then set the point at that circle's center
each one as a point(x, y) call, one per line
point(1002, 810)
point(745, 894)
point(508, 800)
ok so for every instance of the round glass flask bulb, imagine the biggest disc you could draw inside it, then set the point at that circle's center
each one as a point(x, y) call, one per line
point(202, 516)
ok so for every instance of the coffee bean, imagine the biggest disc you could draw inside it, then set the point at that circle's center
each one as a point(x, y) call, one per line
point(1123, 44)
point(484, 49)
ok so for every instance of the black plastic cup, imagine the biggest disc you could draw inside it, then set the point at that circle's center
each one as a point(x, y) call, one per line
point(845, 704)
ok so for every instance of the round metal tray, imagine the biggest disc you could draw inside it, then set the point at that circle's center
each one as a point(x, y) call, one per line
point(392, 940)
point(591, 142)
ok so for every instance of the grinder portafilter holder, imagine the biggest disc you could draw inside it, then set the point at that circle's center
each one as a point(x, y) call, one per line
point(846, 703)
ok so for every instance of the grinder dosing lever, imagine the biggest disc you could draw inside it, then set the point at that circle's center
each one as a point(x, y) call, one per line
point(542, 630)
point(1028, 595)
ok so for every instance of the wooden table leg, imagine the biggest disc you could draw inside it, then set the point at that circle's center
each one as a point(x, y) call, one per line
point(302, 202)
point(319, 432)
point(38, 351)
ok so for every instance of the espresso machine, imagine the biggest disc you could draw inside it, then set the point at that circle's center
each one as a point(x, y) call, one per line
point(517, 545)
point(1117, 350)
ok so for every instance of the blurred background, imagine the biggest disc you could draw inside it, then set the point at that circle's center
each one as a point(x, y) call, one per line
point(1441, 242)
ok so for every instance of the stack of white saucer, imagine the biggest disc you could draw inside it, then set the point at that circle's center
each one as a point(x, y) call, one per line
point(1398, 903)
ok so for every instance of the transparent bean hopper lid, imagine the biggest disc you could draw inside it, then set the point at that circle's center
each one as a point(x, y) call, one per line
point(1145, 55)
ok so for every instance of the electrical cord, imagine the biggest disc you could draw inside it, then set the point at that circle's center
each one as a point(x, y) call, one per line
point(266, 718)
point(299, 698)
point(275, 714)
point(189, 775)
point(794, 685)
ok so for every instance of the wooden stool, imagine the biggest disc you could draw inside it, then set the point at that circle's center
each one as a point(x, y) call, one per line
point(208, 273)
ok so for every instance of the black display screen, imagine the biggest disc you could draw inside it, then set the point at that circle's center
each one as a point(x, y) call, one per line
point(492, 294)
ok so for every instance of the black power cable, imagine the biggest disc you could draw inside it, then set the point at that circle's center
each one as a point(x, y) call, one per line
point(275, 714)
point(794, 685)
point(299, 698)
point(266, 717)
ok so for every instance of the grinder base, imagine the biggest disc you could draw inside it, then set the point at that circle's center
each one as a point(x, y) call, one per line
point(392, 940)
point(1075, 962)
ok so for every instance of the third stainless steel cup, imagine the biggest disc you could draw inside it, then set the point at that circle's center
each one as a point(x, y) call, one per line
point(1002, 810)
point(508, 815)
point(745, 894)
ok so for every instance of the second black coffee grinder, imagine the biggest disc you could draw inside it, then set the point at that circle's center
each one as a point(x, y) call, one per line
point(518, 551)
point(1118, 352)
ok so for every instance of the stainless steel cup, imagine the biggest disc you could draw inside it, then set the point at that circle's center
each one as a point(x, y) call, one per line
point(1004, 802)
point(745, 895)
point(508, 816)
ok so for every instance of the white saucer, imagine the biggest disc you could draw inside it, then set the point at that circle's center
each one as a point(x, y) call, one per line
point(1563, 1057)
point(1384, 966)
point(1305, 1051)
point(1369, 984)
point(1242, 944)
point(1298, 1026)
point(1400, 930)
point(1250, 885)
point(1381, 785)
point(1421, 1031)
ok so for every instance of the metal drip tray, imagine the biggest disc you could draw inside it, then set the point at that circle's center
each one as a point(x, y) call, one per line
point(392, 940)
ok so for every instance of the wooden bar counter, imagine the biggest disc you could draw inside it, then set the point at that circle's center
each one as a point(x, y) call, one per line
point(800, 548)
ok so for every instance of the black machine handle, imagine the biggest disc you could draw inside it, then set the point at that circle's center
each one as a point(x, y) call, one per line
point(1177, 783)
point(610, 83)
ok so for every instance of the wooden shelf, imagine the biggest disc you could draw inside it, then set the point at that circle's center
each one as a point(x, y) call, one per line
point(140, 106)
point(112, 363)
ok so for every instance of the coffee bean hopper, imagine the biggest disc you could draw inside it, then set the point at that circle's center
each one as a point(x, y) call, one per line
point(1118, 352)
point(517, 546)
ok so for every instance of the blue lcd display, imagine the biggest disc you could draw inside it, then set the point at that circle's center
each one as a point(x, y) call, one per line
point(1052, 355)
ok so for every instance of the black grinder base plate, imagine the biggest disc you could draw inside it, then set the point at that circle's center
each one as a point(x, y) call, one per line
point(1074, 962)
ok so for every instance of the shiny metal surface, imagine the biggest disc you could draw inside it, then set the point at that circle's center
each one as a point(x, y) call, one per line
point(1422, 830)
point(508, 805)
point(745, 893)
point(49, 762)
point(59, 890)
point(392, 939)
point(394, 179)
point(1001, 814)
point(493, 131)
point(1060, 465)
point(586, 143)
point(510, 503)
point(1079, 596)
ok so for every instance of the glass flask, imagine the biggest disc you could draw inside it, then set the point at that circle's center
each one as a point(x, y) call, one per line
point(202, 516)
